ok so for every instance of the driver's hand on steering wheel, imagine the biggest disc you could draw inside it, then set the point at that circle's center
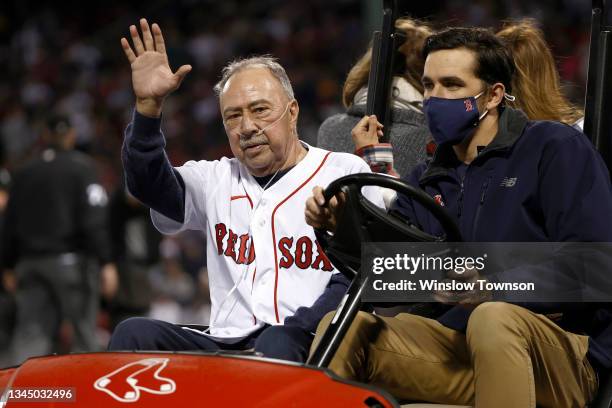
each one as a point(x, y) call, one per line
point(321, 215)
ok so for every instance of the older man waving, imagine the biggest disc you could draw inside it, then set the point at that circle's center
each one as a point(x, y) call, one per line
point(270, 281)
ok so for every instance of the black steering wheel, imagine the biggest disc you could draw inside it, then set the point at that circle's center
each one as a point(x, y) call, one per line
point(363, 221)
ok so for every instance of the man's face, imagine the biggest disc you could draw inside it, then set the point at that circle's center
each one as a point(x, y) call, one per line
point(450, 74)
point(251, 100)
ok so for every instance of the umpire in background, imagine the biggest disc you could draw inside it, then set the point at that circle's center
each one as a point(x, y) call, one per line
point(55, 225)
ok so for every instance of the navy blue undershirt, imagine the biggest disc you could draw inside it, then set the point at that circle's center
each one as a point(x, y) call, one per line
point(264, 180)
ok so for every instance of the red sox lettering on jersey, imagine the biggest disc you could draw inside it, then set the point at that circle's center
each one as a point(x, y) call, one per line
point(258, 241)
point(302, 252)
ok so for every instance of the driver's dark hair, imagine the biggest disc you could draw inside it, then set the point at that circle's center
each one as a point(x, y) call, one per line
point(493, 60)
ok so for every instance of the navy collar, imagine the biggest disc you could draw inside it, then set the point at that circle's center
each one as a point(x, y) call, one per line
point(511, 125)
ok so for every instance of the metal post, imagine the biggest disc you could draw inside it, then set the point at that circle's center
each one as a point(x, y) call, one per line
point(384, 48)
point(590, 98)
point(348, 309)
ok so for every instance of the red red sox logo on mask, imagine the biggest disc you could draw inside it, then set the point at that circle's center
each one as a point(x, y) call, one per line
point(302, 252)
point(468, 105)
point(126, 383)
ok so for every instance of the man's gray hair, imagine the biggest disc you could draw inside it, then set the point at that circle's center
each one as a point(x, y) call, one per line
point(262, 61)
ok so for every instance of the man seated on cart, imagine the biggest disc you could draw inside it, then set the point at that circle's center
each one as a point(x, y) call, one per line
point(270, 282)
point(502, 178)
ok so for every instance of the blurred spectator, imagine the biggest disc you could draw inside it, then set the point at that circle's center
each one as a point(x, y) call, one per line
point(172, 286)
point(5, 182)
point(536, 83)
point(7, 299)
point(17, 133)
point(55, 220)
point(408, 133)
point(135, 244)
point(51, 58)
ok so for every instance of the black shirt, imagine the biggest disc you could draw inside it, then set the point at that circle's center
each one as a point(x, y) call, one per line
point(56, 205)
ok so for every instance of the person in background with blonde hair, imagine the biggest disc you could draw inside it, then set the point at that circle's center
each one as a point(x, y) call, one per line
point(408, 132)
point(536, 83)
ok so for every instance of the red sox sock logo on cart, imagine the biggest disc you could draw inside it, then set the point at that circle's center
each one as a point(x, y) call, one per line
point(126, 383)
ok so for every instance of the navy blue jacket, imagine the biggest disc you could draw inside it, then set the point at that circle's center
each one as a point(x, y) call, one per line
point(151, 178)
point(537, 181)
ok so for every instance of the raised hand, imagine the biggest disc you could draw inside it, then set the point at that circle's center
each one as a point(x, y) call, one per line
point(152, 78)
point(367, 132)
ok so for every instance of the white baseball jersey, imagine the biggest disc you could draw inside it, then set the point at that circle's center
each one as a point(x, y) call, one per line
point(263, 259)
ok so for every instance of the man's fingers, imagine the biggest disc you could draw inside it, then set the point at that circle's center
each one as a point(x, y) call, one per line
point(317, 194)
point(315, 217)
point(160, 45)
point(309, 219)
point(319, 215)
point(182, 71)
point(312, 219)
point(128, 50)
point(146, 35)
point(316, 214)
point(333, 203)
point(312, 207)
point(138, 47)
point(336, 204)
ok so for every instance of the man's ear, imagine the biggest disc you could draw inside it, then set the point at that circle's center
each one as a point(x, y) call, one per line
point(294, 111)
point(495, 95)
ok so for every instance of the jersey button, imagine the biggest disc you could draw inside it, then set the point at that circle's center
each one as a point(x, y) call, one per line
point(262, 223)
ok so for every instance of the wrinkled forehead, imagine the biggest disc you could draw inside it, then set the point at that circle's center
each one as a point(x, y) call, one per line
point(250, 84)
point(458, 62)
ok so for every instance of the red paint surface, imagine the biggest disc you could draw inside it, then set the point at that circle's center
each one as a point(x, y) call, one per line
point(201, 380)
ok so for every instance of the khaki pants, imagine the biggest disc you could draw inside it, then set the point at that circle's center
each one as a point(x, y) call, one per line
point(509, 357)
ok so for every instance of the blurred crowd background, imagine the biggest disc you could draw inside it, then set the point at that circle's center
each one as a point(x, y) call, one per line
point(68, 58)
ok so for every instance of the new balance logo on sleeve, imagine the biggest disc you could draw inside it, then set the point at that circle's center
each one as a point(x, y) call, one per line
point(508, 182)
